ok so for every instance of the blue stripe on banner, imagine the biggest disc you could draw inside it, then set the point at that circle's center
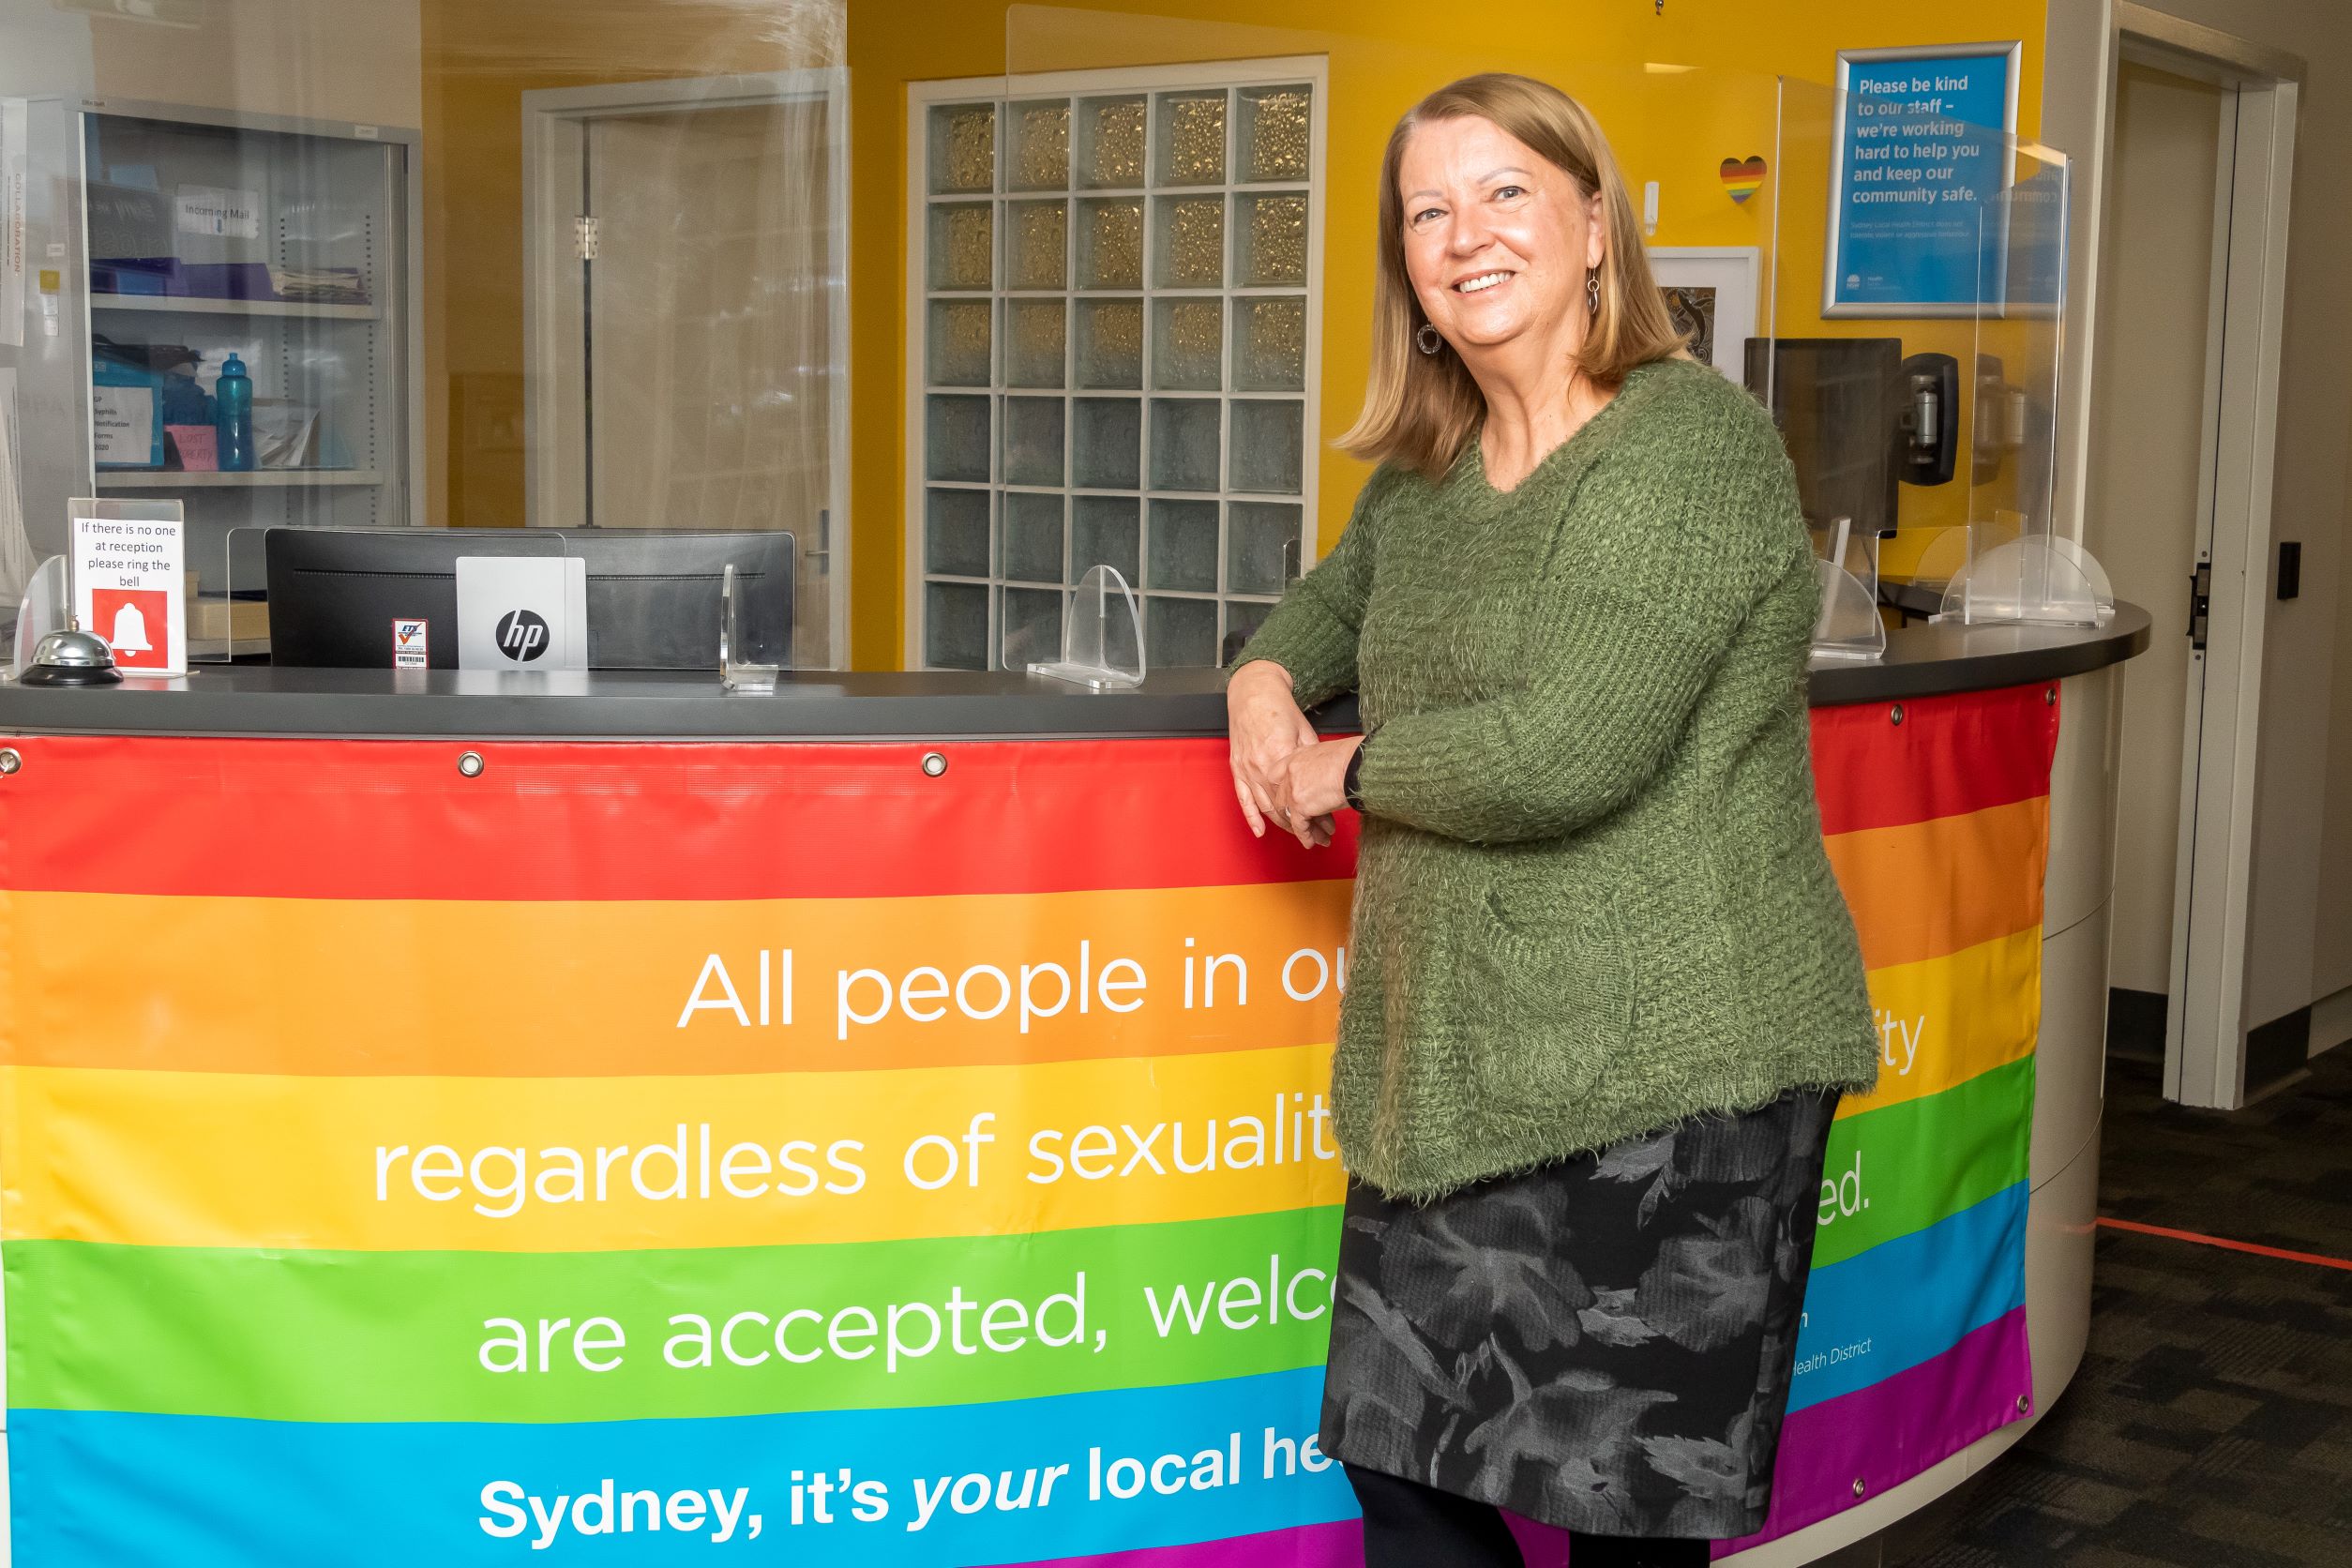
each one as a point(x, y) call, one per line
point(1908, 1300)
point(106, 1487)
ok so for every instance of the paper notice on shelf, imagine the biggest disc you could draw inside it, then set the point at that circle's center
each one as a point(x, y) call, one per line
point(12, 262)
point(122, 426)
point(128, 587)
point(206, 209)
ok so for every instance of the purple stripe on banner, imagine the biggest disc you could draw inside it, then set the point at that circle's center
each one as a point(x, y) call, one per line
point(1896, 1428)
point(1330, 1545)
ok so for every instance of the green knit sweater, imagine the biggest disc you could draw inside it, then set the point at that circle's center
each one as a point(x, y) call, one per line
point(1592, 897)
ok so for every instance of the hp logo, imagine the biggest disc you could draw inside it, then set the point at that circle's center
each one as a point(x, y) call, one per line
point(523, 635)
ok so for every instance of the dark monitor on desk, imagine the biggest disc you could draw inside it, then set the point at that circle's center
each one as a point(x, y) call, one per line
point(653, 595)
point(1839, 404)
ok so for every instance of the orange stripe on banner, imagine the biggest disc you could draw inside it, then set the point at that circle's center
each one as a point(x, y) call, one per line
point(586, 990)
point(1928, 889)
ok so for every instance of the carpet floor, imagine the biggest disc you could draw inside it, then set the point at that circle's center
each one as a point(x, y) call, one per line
point(2210, 1426)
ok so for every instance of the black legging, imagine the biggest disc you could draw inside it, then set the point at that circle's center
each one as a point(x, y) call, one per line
point(1407, 1525)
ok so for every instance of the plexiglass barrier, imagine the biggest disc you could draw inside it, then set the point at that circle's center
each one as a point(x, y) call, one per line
point(1101, 636)
point(44, 609)
point(1936, 313)
point(1151, 199)
point(577, 266)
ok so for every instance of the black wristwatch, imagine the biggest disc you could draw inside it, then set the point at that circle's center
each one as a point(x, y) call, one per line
point(1350, 788)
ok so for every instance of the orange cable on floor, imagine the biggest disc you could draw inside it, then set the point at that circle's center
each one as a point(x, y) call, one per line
point(2225, 1243)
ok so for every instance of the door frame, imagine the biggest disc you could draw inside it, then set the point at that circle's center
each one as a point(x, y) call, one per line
point(555, 126)
point(2204, 1021)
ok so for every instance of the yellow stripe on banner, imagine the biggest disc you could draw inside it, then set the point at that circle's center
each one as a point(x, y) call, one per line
point(1946, 1021)
point(581, 989)
point(230, 1160)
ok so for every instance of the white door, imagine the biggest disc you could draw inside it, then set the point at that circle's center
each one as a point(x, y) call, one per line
point(2185, 397)
point(2150, 503)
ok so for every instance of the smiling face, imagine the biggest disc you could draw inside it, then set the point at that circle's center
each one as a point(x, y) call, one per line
point(1497, 238)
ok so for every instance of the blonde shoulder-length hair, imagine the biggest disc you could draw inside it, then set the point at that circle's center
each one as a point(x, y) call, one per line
point(1420, 408)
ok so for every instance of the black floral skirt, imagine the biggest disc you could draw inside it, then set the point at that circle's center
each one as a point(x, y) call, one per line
point(1603, 1344)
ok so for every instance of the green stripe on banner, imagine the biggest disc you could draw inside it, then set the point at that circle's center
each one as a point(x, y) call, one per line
point(398, 1337)
point(1892, 1171)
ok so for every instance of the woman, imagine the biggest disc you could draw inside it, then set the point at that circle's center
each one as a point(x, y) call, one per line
point(1606, 993)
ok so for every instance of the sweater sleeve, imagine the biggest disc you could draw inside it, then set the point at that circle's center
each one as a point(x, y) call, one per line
point(1676, 534)
point(1312, 632)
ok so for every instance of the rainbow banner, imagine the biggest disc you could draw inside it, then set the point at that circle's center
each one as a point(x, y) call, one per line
point(655, 1150)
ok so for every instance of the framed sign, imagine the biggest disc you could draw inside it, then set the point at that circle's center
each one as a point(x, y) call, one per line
point(1711, 292)
point(1920, 167)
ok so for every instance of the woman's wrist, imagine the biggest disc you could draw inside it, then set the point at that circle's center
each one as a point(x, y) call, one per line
point(1260, 669)
point(1349, 790)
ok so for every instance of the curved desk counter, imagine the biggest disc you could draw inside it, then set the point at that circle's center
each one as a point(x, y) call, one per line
point(407, 1076)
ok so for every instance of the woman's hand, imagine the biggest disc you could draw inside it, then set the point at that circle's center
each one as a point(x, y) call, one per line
point(1316, 784)
point(1265, 728)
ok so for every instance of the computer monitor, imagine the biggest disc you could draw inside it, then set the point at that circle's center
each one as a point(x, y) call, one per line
point(1839, 404)
point(653, 595)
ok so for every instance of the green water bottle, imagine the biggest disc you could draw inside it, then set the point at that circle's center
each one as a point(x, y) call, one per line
point(233, 417)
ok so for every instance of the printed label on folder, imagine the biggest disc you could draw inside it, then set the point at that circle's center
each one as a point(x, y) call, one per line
point(409, 643)
point(204, 209)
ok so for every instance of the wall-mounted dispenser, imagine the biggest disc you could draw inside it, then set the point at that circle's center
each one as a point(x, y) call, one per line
point(1930, 420)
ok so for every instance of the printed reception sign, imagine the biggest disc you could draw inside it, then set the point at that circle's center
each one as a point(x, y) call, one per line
point(773, 1151)
point(1919, 173)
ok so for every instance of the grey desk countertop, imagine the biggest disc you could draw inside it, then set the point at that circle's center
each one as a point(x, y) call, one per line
point(257, 700)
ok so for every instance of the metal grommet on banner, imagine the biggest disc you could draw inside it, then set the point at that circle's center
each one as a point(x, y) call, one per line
point(2049, 697)
point(1859, 1487)
point(2025, 1403)
point(472, 765)
point(1894, 715)
point(10, 761)
point(934, 763)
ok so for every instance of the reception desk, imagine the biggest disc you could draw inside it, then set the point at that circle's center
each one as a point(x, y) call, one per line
point(449, 1115)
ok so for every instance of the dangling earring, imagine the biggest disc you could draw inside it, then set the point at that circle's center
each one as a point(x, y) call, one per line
point(1426, 339)
point(1593, 290)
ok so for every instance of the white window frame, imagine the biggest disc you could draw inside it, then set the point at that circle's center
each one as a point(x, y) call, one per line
point(1312, 69)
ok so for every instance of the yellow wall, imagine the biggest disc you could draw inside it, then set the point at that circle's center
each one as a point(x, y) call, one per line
point(1673, 127)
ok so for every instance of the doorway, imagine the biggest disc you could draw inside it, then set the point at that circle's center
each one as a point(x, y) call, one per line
point(2178, 508)
point(686, 322)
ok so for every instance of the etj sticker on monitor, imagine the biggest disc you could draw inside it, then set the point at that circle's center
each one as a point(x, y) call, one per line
point(1922, 164)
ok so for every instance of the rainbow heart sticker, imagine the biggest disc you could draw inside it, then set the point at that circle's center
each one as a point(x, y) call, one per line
point(1742, 177)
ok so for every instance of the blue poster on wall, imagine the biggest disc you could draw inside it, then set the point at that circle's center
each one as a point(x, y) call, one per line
point(1921, 168)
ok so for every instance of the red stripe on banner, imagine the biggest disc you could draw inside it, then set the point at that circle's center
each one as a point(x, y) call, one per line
point(632, 821)
point(1947, 755)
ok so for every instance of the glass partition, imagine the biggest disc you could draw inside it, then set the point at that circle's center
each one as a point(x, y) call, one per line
point(519, 264)
point(497, 264)
point(1919, 407)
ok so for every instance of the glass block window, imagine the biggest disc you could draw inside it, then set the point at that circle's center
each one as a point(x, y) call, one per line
point(1112, 340)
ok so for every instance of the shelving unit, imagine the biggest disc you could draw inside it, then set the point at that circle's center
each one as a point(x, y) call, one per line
point(206, 206)
point(257, 478)
point(170, 305)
